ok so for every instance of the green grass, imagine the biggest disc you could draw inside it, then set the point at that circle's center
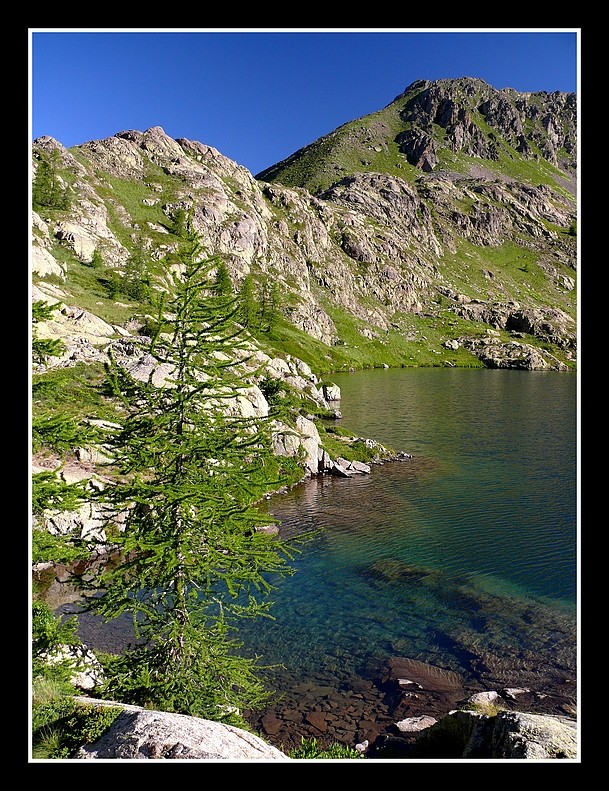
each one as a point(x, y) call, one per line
point(351, 450)
point(61, 725)
point(77, 392)
point(518, 275)
point(417, 341)
point(310, 749)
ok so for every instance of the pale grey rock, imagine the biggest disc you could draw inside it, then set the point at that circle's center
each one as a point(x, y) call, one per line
point(39, 224)
point(302, 369)
point(250, 404)
point(353, 467)
point(509, 734)
point(278, 368)
point(310, 442)
point(360, 467)
point(87, 523)
point(45, 292)
point(302, 441)
point(514, 355)
point(144, 735)
point(415, 724)
point(43, 263)
point(512, 692)
point(48, 292)
point(145, 366)
point(72, 325)
point(485, 698)
point(340, 471)
point(534, 736)
point(325, 461)
point(271, 530)
point(87, 672)
point(83, 243)
point(331, 392)
point(92, 456)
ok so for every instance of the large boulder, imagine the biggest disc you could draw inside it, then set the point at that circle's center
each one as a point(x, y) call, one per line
point(141, 734)
point(302, 441)
point(509, 734)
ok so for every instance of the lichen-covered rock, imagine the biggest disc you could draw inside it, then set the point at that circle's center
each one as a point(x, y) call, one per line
point(523, 735)
point(508, 734)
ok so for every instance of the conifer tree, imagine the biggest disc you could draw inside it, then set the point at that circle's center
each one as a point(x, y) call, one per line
point(248, 310)
point(223, 285)
point(190, 471)
point(269, 305)
point(46, 187)
point(136, 280)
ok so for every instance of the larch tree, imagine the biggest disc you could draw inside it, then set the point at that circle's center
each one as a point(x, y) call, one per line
point(222, 281)
point(189, 471)
point(248, 309)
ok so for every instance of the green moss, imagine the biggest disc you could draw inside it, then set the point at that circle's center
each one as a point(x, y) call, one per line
point(488, 709)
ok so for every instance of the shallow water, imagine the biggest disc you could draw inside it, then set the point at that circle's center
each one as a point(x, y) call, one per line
point(463, 557)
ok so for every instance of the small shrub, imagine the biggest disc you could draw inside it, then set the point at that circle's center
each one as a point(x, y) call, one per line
point(60, 727)
point(50, 632)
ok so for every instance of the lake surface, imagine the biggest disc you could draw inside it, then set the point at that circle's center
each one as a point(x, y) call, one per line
point(464, 557)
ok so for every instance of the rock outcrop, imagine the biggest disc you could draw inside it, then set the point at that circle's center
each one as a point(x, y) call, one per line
point(508, 734)
point(378, 242)
point(143, 735)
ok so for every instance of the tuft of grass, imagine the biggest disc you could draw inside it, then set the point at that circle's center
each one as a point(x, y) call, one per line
point(310, 749)
point(488, 709)
point(61, 726)
point(46, 690)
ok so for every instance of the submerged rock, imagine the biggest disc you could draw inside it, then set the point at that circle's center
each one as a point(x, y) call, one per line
point(411, 672)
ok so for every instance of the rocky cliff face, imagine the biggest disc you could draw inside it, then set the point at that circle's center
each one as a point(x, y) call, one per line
point(456, 211)
point(533, 124)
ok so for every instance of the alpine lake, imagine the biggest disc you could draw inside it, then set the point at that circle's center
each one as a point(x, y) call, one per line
point(459, 564)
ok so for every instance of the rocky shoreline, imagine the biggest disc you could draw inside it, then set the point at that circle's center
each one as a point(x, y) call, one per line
point(386, 710)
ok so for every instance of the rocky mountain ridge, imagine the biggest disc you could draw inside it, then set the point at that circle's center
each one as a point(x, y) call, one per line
point(386, 257)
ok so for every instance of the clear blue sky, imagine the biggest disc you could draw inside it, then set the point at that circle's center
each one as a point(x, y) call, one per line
point(258, 95)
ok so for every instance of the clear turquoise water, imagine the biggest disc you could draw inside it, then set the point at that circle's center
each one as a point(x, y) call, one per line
point(468, 548)
point(464, 557)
